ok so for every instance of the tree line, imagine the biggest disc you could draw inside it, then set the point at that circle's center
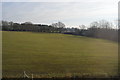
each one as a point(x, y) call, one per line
point(102, 29)
point(99, 29)
point(28, 26)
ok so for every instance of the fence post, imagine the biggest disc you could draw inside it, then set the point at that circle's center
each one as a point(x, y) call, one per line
point(25, 75)
point(32, 76)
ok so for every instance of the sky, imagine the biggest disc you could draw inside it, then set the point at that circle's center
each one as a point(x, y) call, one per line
point(71, 13)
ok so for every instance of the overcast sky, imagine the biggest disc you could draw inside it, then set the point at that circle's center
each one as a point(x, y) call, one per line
point(71, 13)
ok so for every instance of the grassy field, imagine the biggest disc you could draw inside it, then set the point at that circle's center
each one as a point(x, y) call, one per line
point(52, 54)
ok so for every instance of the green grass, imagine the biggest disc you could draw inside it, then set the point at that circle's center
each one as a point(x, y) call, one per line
point(52, 54)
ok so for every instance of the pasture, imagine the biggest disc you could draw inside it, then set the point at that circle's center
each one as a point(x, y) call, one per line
point(57, 55)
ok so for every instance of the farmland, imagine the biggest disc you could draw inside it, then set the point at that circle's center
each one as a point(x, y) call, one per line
point(54, 54)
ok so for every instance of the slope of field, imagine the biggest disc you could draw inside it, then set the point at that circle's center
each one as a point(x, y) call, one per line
point(52, 54)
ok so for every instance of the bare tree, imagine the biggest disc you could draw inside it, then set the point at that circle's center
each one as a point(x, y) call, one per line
point(54, 25)
point(105, 24)
point(82, 27)
point(58, 25)
point(61, 25)
point(94, 24)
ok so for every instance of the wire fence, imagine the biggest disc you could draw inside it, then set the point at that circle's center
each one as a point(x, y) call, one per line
point(68, 76)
